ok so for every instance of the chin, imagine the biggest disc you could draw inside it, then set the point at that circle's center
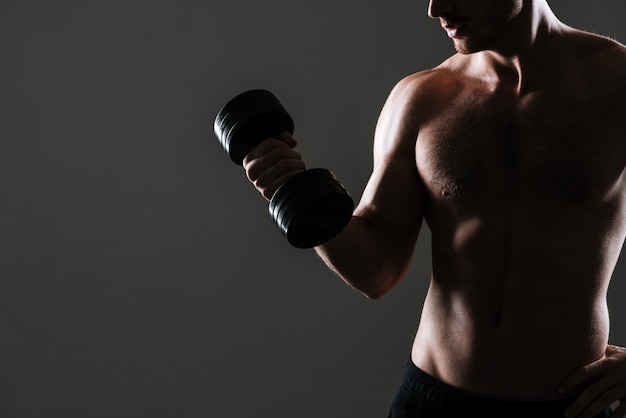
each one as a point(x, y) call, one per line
point(464, 49)
point(467, 46)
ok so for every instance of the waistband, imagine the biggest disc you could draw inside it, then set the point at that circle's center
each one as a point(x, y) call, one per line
point(434, 391)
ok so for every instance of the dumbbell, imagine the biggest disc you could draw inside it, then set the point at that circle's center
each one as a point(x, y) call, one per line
point(311, 207)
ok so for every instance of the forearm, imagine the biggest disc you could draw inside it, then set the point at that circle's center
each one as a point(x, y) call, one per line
point(364, 258)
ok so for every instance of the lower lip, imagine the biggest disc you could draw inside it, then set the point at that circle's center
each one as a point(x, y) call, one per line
point(455, 32)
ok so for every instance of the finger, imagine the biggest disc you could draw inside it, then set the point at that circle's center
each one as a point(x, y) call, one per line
point(582, 376)
point(271, 162)
point(276, 175)
point(279, 182)
point(601, 403)
point(603, 391)
point(264, 147)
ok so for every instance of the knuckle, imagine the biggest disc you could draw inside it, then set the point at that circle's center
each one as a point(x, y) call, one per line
point(252, 171)
point(267, 193)
point(264, 147)
point(263, 180)
point(286, 154)
point(273, 144)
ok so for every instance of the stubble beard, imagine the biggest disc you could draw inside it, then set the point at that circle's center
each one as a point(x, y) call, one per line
point(496, 31)
point(492, 39)
point(466, 46)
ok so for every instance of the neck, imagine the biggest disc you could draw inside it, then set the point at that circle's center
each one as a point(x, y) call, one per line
point(523, 50)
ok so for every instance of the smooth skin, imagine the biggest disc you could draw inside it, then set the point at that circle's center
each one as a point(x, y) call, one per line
point(513, 152)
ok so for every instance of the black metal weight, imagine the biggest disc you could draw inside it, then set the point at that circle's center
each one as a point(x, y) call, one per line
point(311, 207)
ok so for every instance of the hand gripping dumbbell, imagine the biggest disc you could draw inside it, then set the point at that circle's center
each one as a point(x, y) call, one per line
point(311, 207)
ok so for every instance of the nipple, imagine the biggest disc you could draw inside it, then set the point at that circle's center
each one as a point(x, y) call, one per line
point(450, 191)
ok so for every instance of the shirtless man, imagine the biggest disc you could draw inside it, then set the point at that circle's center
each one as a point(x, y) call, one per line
point(513, 151)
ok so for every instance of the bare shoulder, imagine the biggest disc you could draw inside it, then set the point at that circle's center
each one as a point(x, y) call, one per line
point(418, 96)
point(445, 78)
point(410, 103)
point(603, 81)
point(612, 59)
point(413, 102)
point(594, 67)
point(602, 56)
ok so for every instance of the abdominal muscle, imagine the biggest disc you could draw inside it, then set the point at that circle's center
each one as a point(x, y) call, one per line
point(521, 324)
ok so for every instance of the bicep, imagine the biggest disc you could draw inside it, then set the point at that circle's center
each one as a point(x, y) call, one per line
point(394, 198)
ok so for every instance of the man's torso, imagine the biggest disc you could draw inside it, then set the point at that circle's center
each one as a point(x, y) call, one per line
point(526, 208)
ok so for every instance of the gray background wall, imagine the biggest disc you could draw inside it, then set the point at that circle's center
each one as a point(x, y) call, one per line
point(140, 275)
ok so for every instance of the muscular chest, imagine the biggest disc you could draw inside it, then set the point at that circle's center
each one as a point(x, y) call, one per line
point(542, 149)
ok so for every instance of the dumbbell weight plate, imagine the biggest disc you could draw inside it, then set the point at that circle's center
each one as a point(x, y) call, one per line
point(311, 208)
point(248, 119)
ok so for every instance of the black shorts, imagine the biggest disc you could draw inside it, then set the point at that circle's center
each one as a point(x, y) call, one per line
point(423, 396)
